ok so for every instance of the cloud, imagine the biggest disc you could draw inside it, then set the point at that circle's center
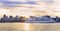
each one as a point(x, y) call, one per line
point(48, 1)
point(17, 2)
point(13, 3)
point(30, 7)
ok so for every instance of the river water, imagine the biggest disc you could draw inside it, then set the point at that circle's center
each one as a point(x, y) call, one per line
point(29, 26)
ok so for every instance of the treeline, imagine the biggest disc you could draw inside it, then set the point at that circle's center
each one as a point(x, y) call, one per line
point(12, 19)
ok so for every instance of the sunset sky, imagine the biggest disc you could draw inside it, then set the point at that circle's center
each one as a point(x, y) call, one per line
point(30, 7)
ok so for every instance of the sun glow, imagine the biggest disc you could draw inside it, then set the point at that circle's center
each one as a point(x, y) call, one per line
point(31, 10)
point(26, 27)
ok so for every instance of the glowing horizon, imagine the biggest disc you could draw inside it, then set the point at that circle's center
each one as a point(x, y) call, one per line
point(30, 8)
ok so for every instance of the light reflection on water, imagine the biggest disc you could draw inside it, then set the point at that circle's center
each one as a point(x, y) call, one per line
point(29, 26)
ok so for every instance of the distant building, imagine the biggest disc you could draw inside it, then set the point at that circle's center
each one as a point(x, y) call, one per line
point(40, 20)
point(5, 18)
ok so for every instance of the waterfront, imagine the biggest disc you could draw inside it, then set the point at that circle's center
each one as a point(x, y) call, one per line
point(29, 26)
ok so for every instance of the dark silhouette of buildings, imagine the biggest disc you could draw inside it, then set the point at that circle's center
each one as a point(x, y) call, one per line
point(43, 19)
point(12, 19)
point(23, 19)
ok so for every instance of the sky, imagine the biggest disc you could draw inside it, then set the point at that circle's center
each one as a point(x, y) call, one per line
point(13, 2)
point(29, 7)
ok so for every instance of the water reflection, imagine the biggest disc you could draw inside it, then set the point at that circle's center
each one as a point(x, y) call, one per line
point(29, 27)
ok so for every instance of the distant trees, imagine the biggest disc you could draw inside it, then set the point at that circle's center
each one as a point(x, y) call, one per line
point(12, 19)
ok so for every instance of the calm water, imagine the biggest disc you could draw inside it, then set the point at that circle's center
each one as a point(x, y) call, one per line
point(29, 26)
